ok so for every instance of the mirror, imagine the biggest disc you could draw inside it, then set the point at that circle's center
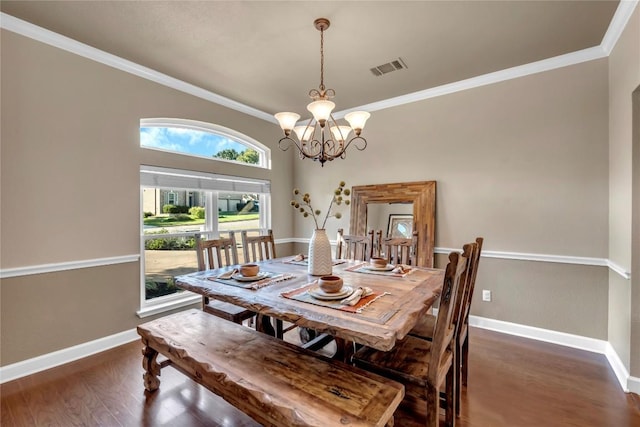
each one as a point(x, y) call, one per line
point(374, 207)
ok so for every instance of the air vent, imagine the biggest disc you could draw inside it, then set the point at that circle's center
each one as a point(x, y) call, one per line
point(396, 64)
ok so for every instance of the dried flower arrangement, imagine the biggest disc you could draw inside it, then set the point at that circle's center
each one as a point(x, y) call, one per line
point(305, 208)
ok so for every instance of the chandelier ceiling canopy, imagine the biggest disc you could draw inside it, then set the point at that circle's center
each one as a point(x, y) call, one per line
point(322, 138)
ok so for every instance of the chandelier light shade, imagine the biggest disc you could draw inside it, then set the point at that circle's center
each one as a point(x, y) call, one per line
point(322, 139)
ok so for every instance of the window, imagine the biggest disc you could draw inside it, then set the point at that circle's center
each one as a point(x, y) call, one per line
point(201, 139)
point(177, 204)
point(220, 203)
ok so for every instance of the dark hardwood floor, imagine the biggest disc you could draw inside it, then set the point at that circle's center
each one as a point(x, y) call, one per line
point(512, 382)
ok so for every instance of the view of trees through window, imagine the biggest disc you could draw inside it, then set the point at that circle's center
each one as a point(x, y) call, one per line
point(246, 156)
point(198, 142)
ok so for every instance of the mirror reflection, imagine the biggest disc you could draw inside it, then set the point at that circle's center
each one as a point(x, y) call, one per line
point(394, 219)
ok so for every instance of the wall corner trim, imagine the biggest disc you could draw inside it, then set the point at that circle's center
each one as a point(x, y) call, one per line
point(618, 269)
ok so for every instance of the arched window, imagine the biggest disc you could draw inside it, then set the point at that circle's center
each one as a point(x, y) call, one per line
point(201, 139)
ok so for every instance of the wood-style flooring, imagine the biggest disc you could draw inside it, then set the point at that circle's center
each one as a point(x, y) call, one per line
point(513, 382)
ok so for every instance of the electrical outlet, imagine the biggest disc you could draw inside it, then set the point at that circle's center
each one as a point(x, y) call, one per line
point(486, 295)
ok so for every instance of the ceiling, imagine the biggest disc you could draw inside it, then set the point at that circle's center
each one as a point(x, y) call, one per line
point(265, 54)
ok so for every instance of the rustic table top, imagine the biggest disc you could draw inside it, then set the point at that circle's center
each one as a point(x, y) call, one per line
point(403, 299)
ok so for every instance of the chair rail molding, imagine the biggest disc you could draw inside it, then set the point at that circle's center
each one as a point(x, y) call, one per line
point(67, 265)
point(561, 259)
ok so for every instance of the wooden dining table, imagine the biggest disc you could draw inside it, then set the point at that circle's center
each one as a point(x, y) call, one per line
point(287, 293)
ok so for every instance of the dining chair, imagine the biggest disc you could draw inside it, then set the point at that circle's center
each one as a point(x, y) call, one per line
point(353, 247)
point(262, 248)
point(424, 329)
point(217, 253)
point(399, 250)
point(258, 248)
point(424, 367)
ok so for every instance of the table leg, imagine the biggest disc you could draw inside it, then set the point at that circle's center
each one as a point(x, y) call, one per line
point(344, 350)
point(263, 324)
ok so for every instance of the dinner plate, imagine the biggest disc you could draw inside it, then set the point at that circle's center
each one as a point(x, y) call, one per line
point(389, 267)
point(318, 293)
point(240, 278)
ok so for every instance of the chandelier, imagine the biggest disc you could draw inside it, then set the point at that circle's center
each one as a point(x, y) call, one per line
point(322, 139)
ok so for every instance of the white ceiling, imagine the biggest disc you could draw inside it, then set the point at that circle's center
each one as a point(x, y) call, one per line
point(265, 54)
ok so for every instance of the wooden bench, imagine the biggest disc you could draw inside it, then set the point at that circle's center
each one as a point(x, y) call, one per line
point(274, 382)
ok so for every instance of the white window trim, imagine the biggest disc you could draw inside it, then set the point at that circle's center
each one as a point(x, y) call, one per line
point(263, 150)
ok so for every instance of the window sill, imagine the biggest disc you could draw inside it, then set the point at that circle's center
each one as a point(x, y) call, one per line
point(152, 310)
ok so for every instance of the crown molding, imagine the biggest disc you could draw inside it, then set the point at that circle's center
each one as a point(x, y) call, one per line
point(618, 23)
point(43, 35)
point(560, 61)
point(616, 27)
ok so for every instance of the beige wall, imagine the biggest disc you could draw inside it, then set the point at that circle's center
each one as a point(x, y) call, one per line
point(523, 163)
point(624, 295)
point(70, 190)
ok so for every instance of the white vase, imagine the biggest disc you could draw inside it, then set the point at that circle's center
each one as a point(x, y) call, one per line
point(320, 261)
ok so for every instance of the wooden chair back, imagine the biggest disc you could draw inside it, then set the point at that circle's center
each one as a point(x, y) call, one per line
point(400, 250)
point(473, 271)
point(216, 253)
point(444, 333)
point(258, 248)
point(353, 247)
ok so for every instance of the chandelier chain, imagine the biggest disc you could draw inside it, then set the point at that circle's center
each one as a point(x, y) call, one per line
point(322, 139)
point(322, 60)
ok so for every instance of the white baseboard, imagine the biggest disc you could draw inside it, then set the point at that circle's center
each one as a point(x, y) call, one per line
point(627, 382)
point(60, 357)
point(618, 367)
point(539, 334)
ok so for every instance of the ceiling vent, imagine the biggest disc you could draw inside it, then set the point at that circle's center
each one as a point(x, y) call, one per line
point(396, 64)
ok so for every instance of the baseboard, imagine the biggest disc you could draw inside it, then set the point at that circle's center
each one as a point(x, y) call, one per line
point(618, 368)
point(539, 334)
point(60, 357)
point(627, 382)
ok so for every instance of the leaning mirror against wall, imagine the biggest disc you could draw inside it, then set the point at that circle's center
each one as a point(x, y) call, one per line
point(371, 207)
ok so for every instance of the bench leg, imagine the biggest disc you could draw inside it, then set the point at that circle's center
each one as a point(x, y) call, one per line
point(151, 367)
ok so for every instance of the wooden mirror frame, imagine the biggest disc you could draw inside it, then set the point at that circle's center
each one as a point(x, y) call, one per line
point(423, 196)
